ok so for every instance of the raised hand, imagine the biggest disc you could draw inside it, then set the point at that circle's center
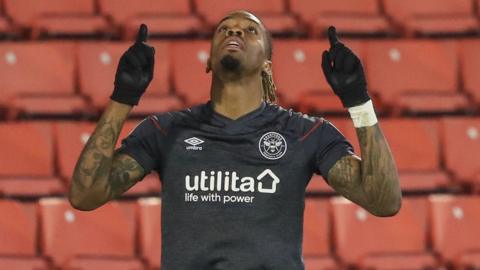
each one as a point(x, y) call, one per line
point(344, 72)
point(135, 70)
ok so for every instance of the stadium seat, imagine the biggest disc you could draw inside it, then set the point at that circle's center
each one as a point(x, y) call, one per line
point(54, 17)
point(5, 26)
point(70, 140)
point(272, 12)
point(422, 173)
point(348, 16)
point(433, 16)
point(320, 263)
point(189, 62)
point(469, 65)
point(298, 75)
point(378, 243)
point(415, 76)
point(39, 78)
point(22, 263)
point(455, 222)
point(161, 16)
point(97, 62)
point(67, 234)
point(461, 137)
point(149, 215)
point(102, 264)
point(26, 160)
point(316, 228)
point(18, 229)
point(318, 185)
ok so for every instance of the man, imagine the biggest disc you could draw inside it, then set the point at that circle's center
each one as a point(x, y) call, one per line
point(234, 170)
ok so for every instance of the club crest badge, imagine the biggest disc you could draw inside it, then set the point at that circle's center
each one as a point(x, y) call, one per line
point(272, 145)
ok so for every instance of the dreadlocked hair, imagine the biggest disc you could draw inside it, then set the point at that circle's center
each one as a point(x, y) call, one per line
point(269, 87)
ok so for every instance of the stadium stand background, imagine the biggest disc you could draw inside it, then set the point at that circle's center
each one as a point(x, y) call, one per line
point(422, 58)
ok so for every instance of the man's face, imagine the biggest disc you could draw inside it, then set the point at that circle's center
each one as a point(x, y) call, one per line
point(238, 45)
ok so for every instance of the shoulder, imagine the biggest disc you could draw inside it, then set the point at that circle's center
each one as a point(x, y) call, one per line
point(168, 120)
point(297, 122)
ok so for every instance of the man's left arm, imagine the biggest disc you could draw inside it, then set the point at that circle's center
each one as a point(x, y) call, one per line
point(371, 181)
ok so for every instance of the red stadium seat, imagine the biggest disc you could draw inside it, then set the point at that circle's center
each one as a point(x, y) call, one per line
point(422, 173)
point(56, 16)
point(271, 12)
point(149, 214)
point(40, 78)
point(318, 185)
point(18, 229)
point(97, 66)
point(461, 137)
point(378, 243)
point(189, 62)
point(469, 65)
point(455, 222)
point(71, 138)
point(298, 75)
point(349, 16)
point(320, 263)
point(21, 263)
point(5, 26)
point(316, 240)
point(415, 76)
point(433, 16)
point(161, 16)
point(26, 160)
point(102, 264)
point(67, 234)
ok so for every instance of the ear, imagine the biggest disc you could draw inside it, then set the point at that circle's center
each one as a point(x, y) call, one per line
point(209, 66)
point(267, 67)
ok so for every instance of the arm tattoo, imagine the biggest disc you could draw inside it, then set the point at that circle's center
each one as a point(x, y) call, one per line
point(125, 173)
point(95, 161)
point(371, 182)
point(96, 178)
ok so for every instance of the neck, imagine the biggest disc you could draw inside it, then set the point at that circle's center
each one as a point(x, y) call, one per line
point(235, 98)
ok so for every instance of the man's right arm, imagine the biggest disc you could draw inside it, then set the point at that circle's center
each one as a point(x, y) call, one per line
point(101, 173)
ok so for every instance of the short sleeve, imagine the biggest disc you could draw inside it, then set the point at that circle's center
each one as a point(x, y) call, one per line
point(142, 144)
point(331, 146)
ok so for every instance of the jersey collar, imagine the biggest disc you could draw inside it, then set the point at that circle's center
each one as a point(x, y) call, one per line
point(229, 124)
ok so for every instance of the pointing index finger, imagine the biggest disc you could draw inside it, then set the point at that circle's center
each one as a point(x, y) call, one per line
point(142, 35)
point(332, 36)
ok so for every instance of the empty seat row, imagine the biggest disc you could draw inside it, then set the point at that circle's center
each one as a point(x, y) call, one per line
point(71, 239)
point(403, 75)
point(32, 152)
point(428, 232)
point(368, 17)
point(429, 154)
point(38, 158)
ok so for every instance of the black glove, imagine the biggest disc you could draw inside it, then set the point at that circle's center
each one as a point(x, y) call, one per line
point(134, 71)
point(346, 76)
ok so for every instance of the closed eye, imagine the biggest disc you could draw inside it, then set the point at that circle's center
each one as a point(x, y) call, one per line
point(252, 30)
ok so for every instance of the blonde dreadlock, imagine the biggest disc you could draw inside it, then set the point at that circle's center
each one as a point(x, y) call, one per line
point(268, 88)
point(267, 79)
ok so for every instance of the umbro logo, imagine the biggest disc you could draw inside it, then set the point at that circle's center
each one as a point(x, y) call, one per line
point(194, 143)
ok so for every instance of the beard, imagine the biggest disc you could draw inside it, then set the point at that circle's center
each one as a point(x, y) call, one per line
point(230, 63)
